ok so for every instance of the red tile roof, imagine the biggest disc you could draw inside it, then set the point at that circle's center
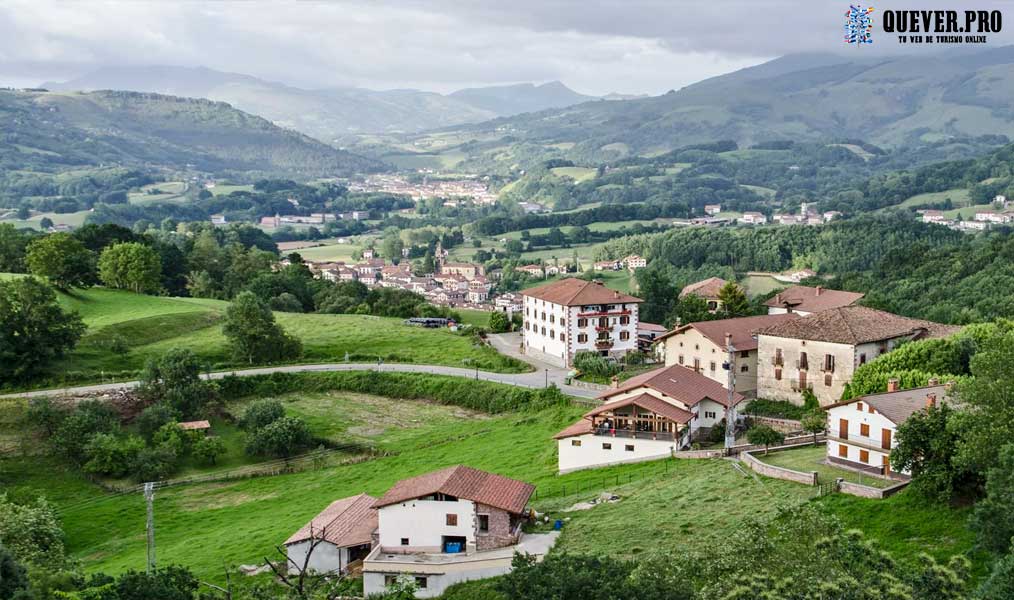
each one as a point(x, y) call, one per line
point(648, 402)
point(677, 382)
point(742, 329)
point(649, 326)
point(812, 299)
point(580, 428)
point(898, 406)
point(856, 325)
point(707, 288)
point(346, 522)
point(465, 483)
point(576, 292)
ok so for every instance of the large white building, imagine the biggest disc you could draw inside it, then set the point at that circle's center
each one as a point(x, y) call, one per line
point(572, 315)
point(820, 352)
point(647, 417)
point(449, 526)
point(861, 432)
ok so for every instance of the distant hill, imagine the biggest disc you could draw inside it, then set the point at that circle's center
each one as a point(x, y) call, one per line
point(521, 98)
point(49, 131)
point(811, 97)
point(330, 114)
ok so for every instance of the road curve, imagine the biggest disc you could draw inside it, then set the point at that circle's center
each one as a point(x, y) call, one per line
point(537, 379)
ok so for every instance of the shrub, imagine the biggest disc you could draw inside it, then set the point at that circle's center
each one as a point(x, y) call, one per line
point(32, 533)
point(765, 436)
point(498, 322)
point(88, 419)
point(208, 449)
point(776, 409)
point(154, 417)
point(281, 438)
point(261, 413)
point(154, 464)
point(175, 378)
point(109, 454)
point(592, 363)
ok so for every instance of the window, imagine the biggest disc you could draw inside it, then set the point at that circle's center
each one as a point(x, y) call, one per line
point(681, 359)
point(862, 359)
point(390, 580)
point(859, 406)
point(709, 414)
point(563, 337)
point(543, 331)
point(864, 430)
point(404, 541)
point(744, 369)
point(582, 322)
point(697, 346)
point(629, 448)
point(528, 325)
point(869, 409)
point(697, 365)
point(582, 338)
point(778, 374)
point(624, 320)
point(624, 335)
point(563, 322)
point(483, 523)
point(829, 363)
point(828, 379)
point(744, 354)
point(607, 446)
point(803, 362)
point(779, 359)
point(843, 451)
point(552, 334)
point(452, 520)
point(864, 456)
point(575, 442)
point(420, 582)
point(712, 366)
point(552, 318)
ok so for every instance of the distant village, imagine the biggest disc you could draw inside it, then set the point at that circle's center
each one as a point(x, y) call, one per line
point(1002, 214)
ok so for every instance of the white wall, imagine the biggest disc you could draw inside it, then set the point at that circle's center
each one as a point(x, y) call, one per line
point(424, 523)
point(437, 583)
point(856, 441)
point(326, 557)
point(592, 454)
point(555, 320)
point(691, 344)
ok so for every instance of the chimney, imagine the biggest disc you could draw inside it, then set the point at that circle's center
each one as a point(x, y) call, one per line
point(931, 400)
point(933, 381)
point(615, 381)
point(949, 386)
point(616, 294)
point(892, 385)
point(728, 340)
point(778, 298)
point(818, 290)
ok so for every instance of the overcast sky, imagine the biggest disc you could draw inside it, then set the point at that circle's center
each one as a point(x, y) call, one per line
point(594, 46)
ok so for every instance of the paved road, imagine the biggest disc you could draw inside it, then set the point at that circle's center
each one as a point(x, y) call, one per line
point(539, 378)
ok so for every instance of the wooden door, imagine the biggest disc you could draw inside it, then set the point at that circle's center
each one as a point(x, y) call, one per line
point(885, 439)
point(886, 463)
point(802, 380)
point(843, 429)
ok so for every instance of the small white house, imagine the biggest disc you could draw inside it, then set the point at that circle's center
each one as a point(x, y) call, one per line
point(712, 209)
point(449, 526)
point(862, 431)
point(753, 218)
point(338, 536)
point(648, 417)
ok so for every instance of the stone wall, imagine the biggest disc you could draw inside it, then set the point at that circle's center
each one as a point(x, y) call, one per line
point(782, 425)
point(699, 454)
point(767, 470)
point(864, 491)
point(499, 534)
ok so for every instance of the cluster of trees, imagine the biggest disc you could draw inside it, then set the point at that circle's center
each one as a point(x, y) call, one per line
point(34, 330)
point(801, 553)
point(271, 433)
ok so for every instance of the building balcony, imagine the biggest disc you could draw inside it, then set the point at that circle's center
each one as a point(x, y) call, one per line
point(613, 313)
point(603, 344)
point(664, 436)
point(603, 328)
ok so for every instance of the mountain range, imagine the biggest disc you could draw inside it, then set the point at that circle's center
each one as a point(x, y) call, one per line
point(808, 97)
point(330, 114)
point(54, 131)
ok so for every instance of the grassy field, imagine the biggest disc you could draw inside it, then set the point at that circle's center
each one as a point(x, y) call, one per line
point(74, 219)
point(578, 174)
point(223, 189)
point(811, 458)
point(125, 330)
point(169, 191)
point(757, 285)
point(689, 502)
point(959, 196)
point(331, 252)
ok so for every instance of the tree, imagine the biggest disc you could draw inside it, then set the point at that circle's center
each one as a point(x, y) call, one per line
point(154, 417)
point(814, 422)
point(734, 301)
point(253, 334)
point(167, 583)
point(261, 413)
point(13, 577)
point(12, 248)
point(46, 223)
point(926, 448)
point(154, 464)
point(34, 330)
point(208, 449)
point(175, 378)
point(131, 266)
point(689, 309)
point(1000, 584)
point(764, 435)
point(282, 438)
point(62, 259)
point(88, 419)
point(986, 423)
point(391, 247)
point(993, 517)
point(31, 531)
point(110, 454)
point(498, 322)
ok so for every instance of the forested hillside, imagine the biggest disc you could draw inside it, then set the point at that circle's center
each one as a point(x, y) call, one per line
point(49, 132)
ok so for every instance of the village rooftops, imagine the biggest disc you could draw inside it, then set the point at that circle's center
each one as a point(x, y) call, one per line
point(899, 405)
point(578, 292)
point(741, 329)
point(194, 425)
point(679, 383)
point(707, 288)
point(856, 325)
point(646, 401)
point(346, 522)
point(812, 299)
point(465, 483)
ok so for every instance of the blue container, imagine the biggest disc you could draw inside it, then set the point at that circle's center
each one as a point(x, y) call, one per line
point(557, 525)
point(452, 547)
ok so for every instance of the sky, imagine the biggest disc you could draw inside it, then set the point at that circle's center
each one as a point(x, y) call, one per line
point(594, 46)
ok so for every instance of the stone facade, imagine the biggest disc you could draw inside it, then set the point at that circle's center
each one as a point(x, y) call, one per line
point(500, 528)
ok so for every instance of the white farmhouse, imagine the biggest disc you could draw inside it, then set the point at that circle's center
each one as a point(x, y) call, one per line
point(704, 347)
point(338, 536)
point(573, 315)
point(820, 352)
point(805, 300)
point(647, 417)
point(752, 218)
point(449, 526)
point(862, 431)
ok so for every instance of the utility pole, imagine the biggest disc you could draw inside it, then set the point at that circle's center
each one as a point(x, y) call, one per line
point(730, 410)
point(149, 496)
